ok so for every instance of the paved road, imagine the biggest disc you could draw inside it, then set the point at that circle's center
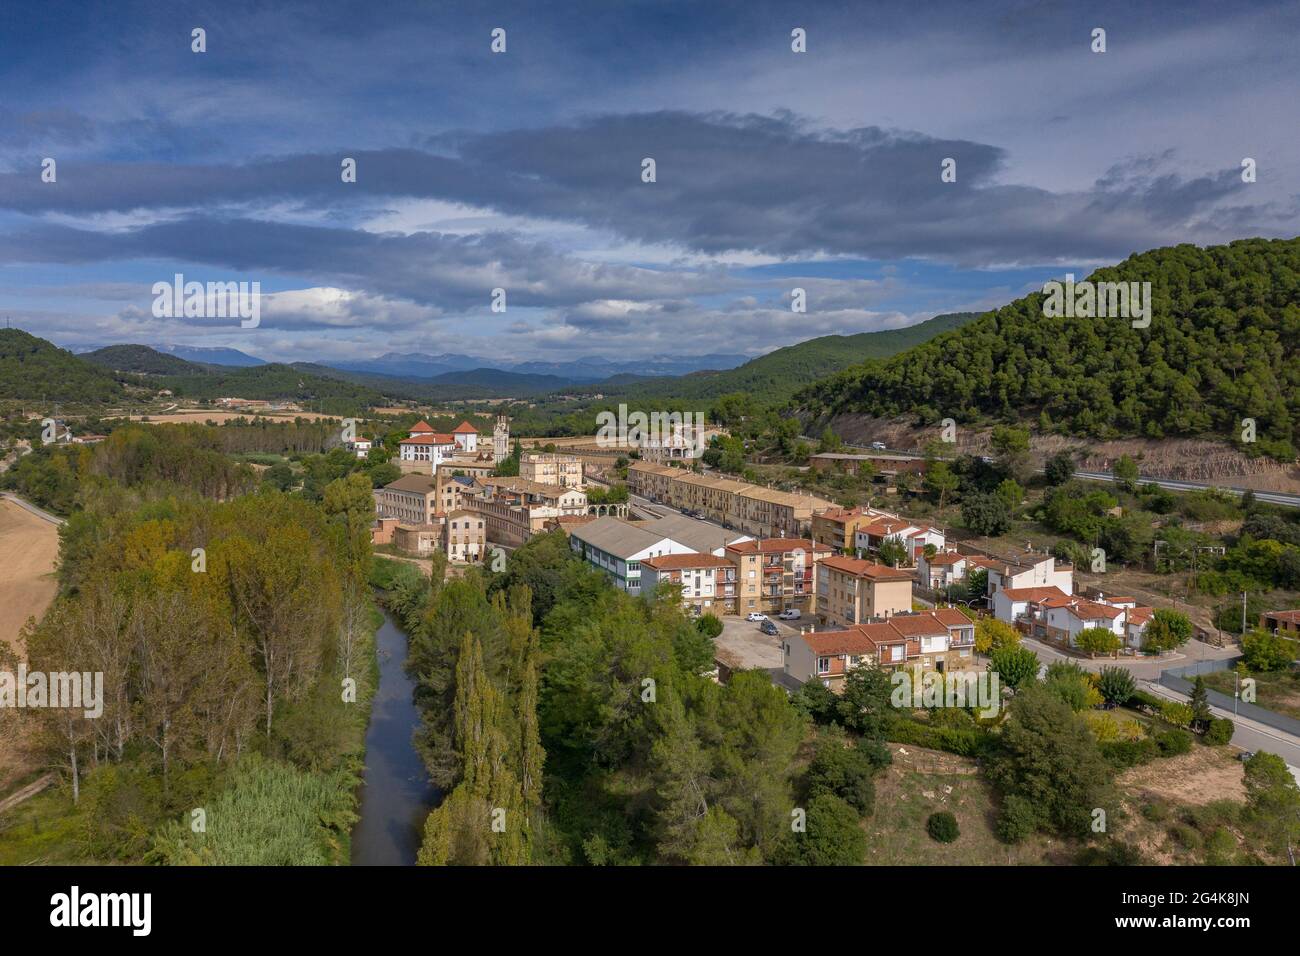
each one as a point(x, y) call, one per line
point(1272, 497)
point(28, 506)
point(1249, 735)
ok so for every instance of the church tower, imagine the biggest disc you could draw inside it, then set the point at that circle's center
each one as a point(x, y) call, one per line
point(501, 440)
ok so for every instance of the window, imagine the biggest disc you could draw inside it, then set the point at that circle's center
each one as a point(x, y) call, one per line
point(823, 665)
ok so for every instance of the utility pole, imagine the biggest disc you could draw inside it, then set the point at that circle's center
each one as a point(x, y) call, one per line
point(1243, 613)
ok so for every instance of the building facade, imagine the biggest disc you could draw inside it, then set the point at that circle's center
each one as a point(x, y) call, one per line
point(851, 591)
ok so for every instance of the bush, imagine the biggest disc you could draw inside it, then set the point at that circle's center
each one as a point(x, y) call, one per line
point(942, 826)
point(1186, 836)
point(1019, 819)
point(1155, 812)
point(965, 742)
point(1116, 685)
point(843, 772)
point(1123, 754)
point(1180, 715)
point(1110, 853)
point(709, 625)
point(1219, 731)
point(832, 837)
point(1173, 743)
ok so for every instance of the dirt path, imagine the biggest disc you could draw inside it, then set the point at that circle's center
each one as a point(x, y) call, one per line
point(29, 548)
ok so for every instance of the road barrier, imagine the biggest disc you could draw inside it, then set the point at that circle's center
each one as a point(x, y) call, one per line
point(1175, 678)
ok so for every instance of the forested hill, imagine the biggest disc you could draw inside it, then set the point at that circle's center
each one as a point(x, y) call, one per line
point(34, 369)
point(1223, 345)
point(143, 359)
point(779, 374)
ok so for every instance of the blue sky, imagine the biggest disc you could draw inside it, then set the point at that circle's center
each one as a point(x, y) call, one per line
point(521, 170)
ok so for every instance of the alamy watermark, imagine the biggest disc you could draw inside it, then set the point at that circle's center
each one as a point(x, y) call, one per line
point(215, 300)
point(918, 688)
point(58, 690)
point(1098, 300)
point(670, 434)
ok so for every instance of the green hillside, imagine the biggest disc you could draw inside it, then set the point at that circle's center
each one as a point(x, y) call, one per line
point(273, 381)
point(33, 369)
point(779, 374)
point(142, 359)
point(1223, 345)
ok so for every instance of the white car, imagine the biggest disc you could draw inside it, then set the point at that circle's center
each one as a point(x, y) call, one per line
point(755, 617)
point(790, 614)
point(878, 445)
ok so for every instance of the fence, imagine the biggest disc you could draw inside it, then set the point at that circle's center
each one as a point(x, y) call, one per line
point(1175, 678)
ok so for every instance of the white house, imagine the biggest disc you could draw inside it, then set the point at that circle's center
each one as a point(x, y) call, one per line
point(1011, 604)
point(940, 570)
point(1026, 571)
point(1063, 618)
point(913, 537)
point(361, 446)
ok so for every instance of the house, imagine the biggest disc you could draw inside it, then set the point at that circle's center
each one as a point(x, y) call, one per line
point(852, 591)
point(941, 570)
point(776, 574)
point(360, 446)
point(942, 640)
point(913, 537)
point(618, 547)
point(412, 499)
point(418, 539)
point(464, 536)
point(381, 532)
point(1063, 618)
point(835, 527)
point(1136, 620)
point(1012, 605)
point(708, 582)
point(1026, 570)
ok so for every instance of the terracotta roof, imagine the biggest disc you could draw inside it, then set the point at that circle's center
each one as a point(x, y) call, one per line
point(865, 569)
point(422, 484)
point(431, 438)
point(948, 557)
point(773, 545)
point(677, 562)
point(421, 426)
point(1034, 594)
point(1139, 615)
point(464, 428)
point(886, 526)
point(850, 641)
point(1084, 610)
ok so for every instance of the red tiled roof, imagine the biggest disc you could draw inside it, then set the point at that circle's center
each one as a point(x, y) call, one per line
point(1292, 617)
point(428, 439)
point(885, 526)
point(771, 545)
point(421, 426)
point(849, 641)
point(1034, 594)
point(677, 562)
point(1140, 615)
point(464, 428)
point(865, 569)
point(948, 557)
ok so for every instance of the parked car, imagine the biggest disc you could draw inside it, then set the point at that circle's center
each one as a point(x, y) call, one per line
point(878, 445)
point(1245, 755)
point(755, 617)
point(767, 627)
point(790, 614)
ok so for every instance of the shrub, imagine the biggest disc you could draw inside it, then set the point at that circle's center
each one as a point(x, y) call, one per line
point(1123, 754)
point(1155, 812)
point(942, 826)
point(1116, 685)
point(1146, 703)
point(1019, 819)
point(709, 625)
point(1180, 715)
point(1173, 743)
point(1186, 836)
point(843, 772)
point(966, 742)
point(1110, 853)
point(1219, 731)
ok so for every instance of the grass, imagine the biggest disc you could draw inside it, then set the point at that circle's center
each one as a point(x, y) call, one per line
point(907, 795)
point(1278, 691)
point(44, 831)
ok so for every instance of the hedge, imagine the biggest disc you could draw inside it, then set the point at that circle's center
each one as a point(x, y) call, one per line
point(1219, 731)
point(963, 741)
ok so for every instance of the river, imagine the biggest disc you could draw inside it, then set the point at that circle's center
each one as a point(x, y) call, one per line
point(397, 794)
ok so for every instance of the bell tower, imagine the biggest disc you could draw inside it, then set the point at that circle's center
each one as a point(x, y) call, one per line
point(501, 440)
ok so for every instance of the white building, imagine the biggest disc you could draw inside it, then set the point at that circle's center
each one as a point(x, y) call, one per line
point(940, 570)
point(1026, 571)
point(466, 437)
point(360, 446)
point(618, 547)
point(424, 444)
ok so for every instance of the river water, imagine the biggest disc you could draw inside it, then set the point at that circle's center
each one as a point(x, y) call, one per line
point(397, 795)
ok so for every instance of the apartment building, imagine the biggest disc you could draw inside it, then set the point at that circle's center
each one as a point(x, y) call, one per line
point(552, 469)
point(464, 536)
point(942, 640)
point(708, 582)
point(412, 499)
point(751, 509)
point(852, 591)
point(514, 509)
point(776, 574)
point(835, 527)
point(618, 547)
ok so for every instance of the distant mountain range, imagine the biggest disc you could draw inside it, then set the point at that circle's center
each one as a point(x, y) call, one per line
point(593, 368)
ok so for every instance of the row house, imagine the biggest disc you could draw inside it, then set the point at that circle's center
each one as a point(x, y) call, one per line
point(836, 527)
point(411, 499)
point(942, 640)
point(708, 582)
point(776, 574)
point(465, 536)
point(853, 591)
point(751, 509)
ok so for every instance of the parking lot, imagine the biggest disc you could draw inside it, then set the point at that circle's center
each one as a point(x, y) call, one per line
point(748, 647)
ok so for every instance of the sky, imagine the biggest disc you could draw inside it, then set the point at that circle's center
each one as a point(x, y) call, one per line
point(523, 170)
